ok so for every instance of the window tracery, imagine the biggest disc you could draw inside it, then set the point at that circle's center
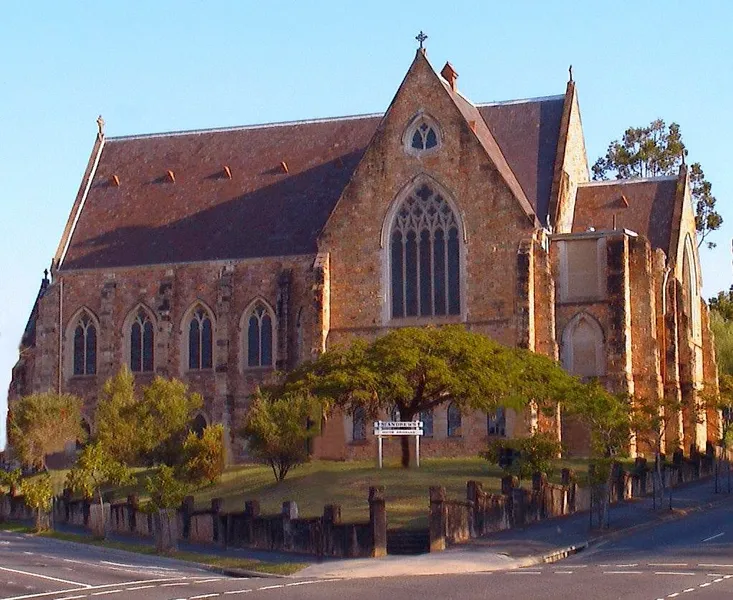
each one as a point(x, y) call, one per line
point(85, 346)
point(200, 340)
point(425, 256)
point(259, 337)
point(141, 343)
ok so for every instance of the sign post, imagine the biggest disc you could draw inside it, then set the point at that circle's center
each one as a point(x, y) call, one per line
point(398, 428)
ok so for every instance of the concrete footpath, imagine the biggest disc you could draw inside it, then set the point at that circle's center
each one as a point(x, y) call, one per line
point(547, 541)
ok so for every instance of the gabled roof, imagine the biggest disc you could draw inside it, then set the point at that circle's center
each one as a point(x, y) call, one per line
point(645, 206)
point(203, 215)
point(527, 132)
point(285, 180)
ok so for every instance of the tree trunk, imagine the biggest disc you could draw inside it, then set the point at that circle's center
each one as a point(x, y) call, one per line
point(405, 448)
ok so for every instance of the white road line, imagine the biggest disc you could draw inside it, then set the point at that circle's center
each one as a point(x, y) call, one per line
point(140, 587)
point(85, 585)
point(705, 584)
point(718, 580)
point(105, 592)
point(217, 579)
point(563, 572)
point(667, 564)
point(688, 590)
point(715, 574)
point(237, 592)
point(203, 596)
point(26, 552)
point(727, 576)
point(712, 537)
point(73, 597)
point(674, 573)
point(271, 587)
point(629, 565)
point(622, 572)
point(175, 584)
point(714, 566)
point(673, 595)
point(299, 583)
point(524, 573)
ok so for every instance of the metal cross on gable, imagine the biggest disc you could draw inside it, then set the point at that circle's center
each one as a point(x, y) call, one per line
point(421, 37)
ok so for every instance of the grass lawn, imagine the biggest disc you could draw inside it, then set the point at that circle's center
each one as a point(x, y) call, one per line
point(318, 483)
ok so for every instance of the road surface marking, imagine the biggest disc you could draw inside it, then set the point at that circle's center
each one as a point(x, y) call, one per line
point(175, 584)
point(564, 572)
point(715, 566)
point(667, 564)
point(105, 592)
point(217, 579)
point(622, 572)
point(629, 565)
point(673, 595)
point(140, 587)
point(712, 537)
point(73, 597)
point(727, 576)
point(705, 584)
point(85, 585)
point(524, 573)
point(203, 596)
point(673, 573)
point(271, 587)
point(299, 583)
point(237, 592)
point(688, 590)
point(26, 552)
point(718, 580)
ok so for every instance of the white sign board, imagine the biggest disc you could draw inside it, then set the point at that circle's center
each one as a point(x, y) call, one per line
point(398, 428)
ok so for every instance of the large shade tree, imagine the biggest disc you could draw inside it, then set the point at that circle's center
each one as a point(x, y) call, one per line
point(657, 149)
point(418, 369)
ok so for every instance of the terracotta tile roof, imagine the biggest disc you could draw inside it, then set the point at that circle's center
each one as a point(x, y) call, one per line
point(204, 215)
point(143, 217)
point(527, 132)
point(645, 206)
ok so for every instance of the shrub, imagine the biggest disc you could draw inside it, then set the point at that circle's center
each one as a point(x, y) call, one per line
point(38, 494)
point(166, 491)
point(524, 456)
point(204, 456)
point(277, 430)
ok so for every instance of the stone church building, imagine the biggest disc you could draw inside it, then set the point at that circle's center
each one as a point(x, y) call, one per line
point(219, 256)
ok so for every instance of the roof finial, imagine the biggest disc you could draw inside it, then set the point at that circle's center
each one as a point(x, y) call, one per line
point(570, 72)
point(421, 37)
point(100, 126)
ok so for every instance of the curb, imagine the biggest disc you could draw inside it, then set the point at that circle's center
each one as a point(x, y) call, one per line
point(551, 557)
point(230, 571)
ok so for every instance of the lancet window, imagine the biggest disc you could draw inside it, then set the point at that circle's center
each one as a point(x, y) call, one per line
point(259, 336)
point(200, 340)
point(85, 346)
point(141, 343)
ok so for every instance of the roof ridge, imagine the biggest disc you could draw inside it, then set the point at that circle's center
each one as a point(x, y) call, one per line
point(627, 181)
point(522, 100)
point(241, 127)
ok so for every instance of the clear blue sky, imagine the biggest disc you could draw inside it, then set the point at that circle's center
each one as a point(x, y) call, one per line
point(158, 66)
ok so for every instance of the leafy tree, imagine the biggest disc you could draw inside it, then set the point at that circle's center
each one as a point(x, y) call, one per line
point(532, 454)
point(10, 481)
point(166, 491)
point(149, 428)
point(418, 369)
point(655, 150)
point(277, 429)
point(95, 468)
point(607, 417)
point(722, 305)
point(41, 424)
point(38, 494)
point(204, 456)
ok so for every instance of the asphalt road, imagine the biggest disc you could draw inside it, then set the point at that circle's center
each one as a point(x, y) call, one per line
point(691, 557)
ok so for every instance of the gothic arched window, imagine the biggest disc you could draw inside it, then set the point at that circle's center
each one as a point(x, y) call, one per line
point(358, 424)
point(141, 343)
point(496, 422)
point(691, 294)
point(85, 346)
point(421, 135)
point(454, 420)
point(259, 336)
point(583, 351)
point(200, 340)
point(425, 256)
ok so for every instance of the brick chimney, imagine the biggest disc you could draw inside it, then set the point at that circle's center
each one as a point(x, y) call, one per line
point(449, 74)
